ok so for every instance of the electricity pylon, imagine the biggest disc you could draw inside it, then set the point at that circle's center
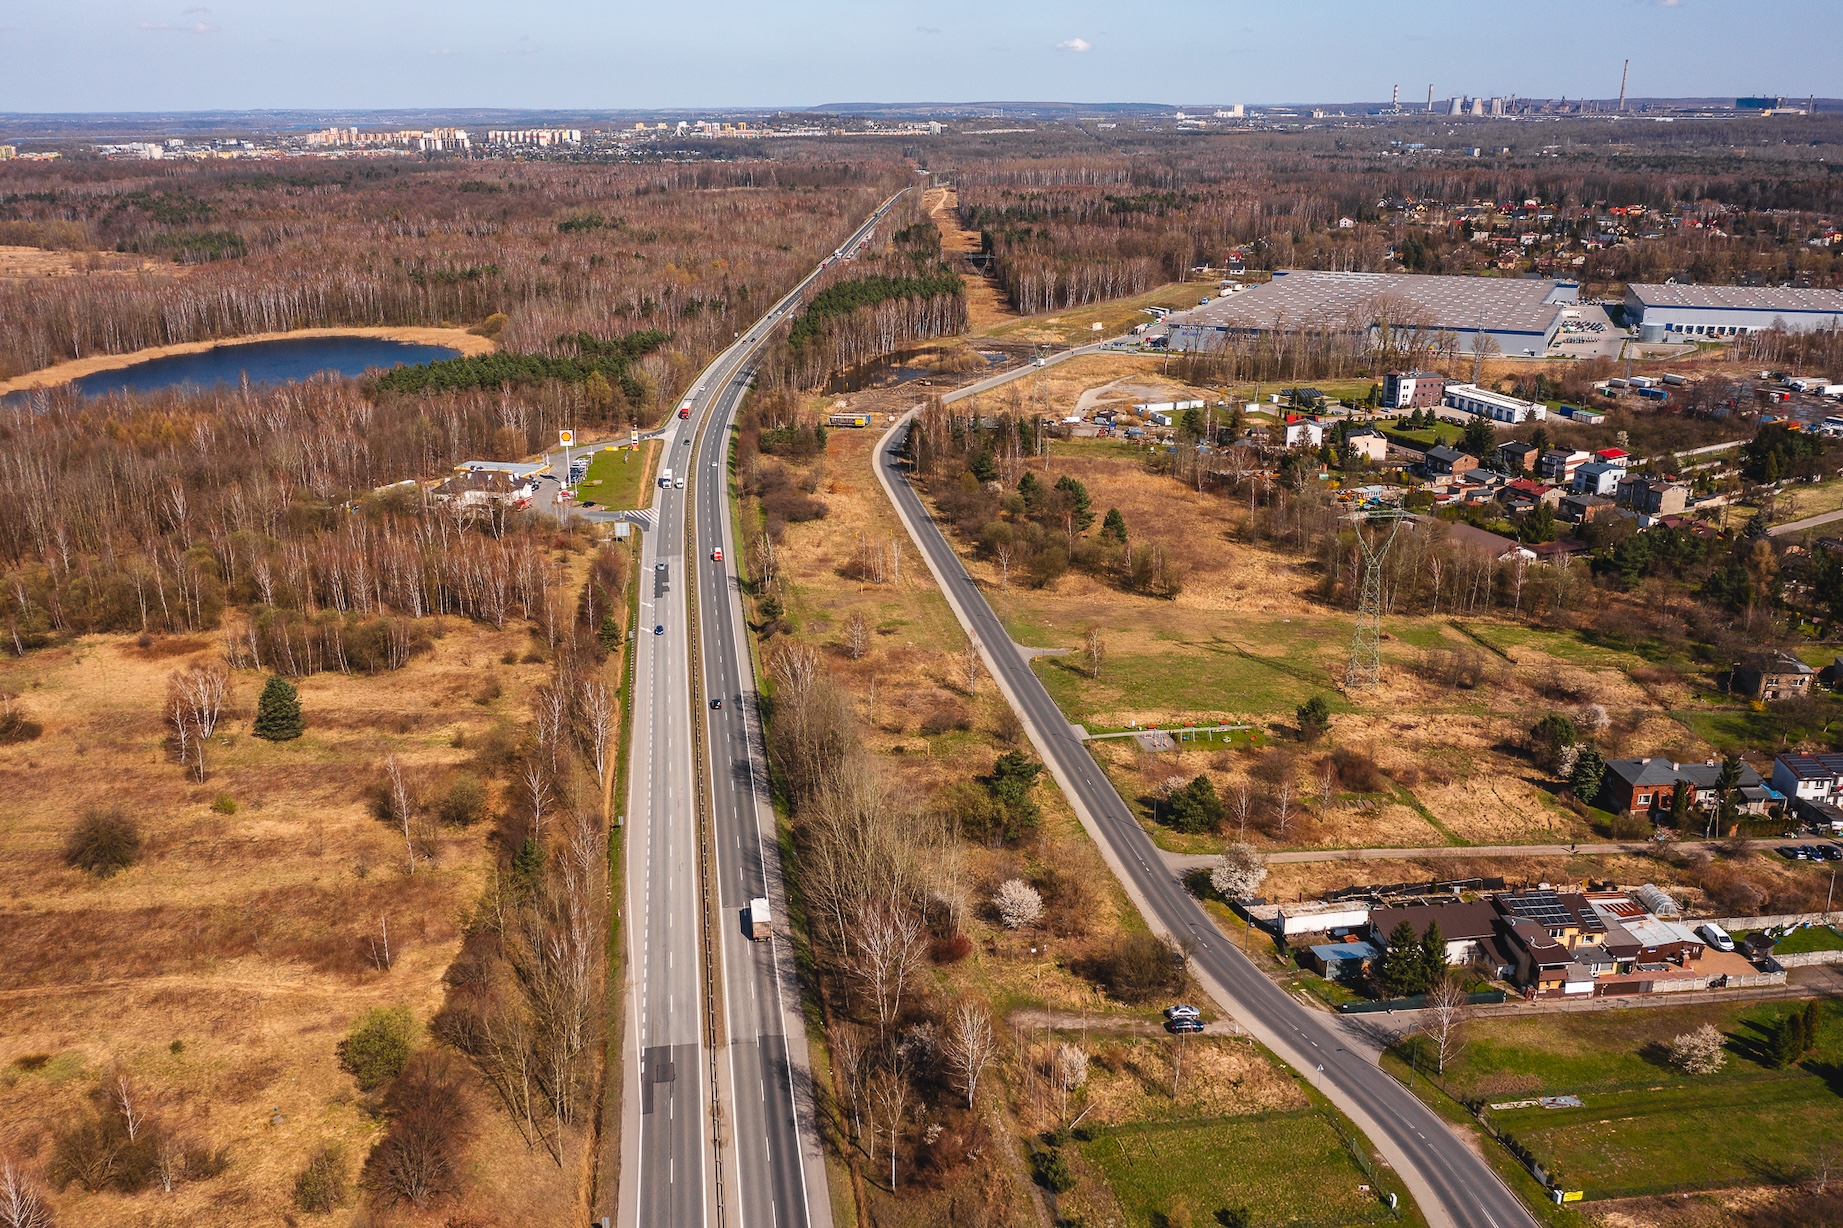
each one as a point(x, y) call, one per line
point(1365, 669)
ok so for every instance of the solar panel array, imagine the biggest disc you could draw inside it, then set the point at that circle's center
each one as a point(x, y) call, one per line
point(1546, 909)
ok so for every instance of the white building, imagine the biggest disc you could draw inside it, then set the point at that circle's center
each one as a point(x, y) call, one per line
point(1674, 312)
point(1493, 405)
point(1304, 434)
point(1598, 478)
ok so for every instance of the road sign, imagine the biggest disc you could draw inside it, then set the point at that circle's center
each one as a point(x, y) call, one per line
point(565, 438)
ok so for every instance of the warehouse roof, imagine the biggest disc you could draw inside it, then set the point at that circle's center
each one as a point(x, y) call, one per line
point(1318, 299)
point(1740, 298)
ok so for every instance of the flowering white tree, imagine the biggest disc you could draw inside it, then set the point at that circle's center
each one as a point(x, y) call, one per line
point(1239, 873)
point(1699, 1052)
point(1017, 903)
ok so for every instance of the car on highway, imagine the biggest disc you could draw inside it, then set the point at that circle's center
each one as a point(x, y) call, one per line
point(678, 483)
point(716, 556)
point(659, 567)
point(716, 703)
point(1179, 1027)
point(660, 629)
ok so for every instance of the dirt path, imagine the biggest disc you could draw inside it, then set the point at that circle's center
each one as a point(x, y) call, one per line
point(1068, 1021)
point(985, 303)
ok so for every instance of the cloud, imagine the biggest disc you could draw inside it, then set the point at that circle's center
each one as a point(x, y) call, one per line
point(929, 30)
point(1075, 44)
point(197, 8)
point(197, 27)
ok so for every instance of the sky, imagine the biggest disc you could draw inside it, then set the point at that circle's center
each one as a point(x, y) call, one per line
point(173, 55)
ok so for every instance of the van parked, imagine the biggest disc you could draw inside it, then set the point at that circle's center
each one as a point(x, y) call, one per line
point(1715, 936)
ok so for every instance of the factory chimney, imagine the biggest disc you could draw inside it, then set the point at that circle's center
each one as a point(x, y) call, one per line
point(1622, 79)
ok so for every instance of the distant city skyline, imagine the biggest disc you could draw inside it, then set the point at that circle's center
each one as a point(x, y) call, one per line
point(169, 55)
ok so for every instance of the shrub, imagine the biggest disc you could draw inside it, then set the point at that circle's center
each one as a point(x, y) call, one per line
point(321, 1186)
point(1357, 772)
point(224, 803)
point(377, 1048)
point(14, 727)
point(278, 712)
point(1314, 717)
point(104, 842)
point(946, 718)
point(419, 1158)
point(1053, 1171)
point(951, 949)
point(1139, 967)
point(464, 803)
point(1017, 903)
point(1195, 808)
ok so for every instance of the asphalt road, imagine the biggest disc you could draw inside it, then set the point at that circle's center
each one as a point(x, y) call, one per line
point(1451, 1183)
point(765, 1168)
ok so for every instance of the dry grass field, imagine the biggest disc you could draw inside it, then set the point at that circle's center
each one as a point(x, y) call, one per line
point(219, 972)
point(28, 262)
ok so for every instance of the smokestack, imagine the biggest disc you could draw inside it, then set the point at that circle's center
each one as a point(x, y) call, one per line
point(1395, 99)
point(1627, 72)
point(1430, 100)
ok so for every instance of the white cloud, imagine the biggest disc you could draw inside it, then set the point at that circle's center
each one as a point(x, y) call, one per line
point(197, 27)
point(1075, 44)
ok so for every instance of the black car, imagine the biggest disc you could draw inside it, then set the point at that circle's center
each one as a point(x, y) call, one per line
point(1830, 852)
point(1181, 1026)
point(717, 702)
point(1790, 853)
point(660, 629)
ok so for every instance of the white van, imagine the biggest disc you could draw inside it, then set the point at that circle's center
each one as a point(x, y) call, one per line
point(1715, 936)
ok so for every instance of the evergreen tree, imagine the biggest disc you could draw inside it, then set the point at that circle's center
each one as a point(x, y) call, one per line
point(1539, 439)
point(1079, 502)
point(1403, 966)
point(1814, 1016)
point(1479, 438)
point(1679, 806)
point(1196, 807)
point(1113, 526)
point(1314, 717)
point(1032, 490)
point(1433, 957)
point(1589, 772)
point(1785, 1044)
point(528, 863)
point(985, 468)
point(278, 712)
point(1014, 775)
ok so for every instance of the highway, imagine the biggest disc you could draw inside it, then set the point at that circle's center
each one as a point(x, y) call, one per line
point(1452, 1184)
point(755, 1160)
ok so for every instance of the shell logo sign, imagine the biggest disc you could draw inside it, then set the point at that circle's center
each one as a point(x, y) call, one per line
point(565, 438)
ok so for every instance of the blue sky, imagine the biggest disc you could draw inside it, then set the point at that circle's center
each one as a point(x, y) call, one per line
point(94, 55)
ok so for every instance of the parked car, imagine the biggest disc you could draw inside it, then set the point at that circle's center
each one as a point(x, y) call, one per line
point(1182, 1011)
point(1182, 1026)
point(1830, 852)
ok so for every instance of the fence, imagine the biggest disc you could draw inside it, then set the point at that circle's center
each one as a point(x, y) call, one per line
point(1486, 997)
point(1760, 923)
point(1807, 959)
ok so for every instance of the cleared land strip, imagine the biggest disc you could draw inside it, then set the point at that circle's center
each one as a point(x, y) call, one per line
point(1184, 862)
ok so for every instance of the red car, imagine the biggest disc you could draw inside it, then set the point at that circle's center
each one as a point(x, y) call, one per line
point(716, 556)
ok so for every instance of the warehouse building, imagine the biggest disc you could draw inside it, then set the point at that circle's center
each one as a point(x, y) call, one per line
point(1493, 405)
point(1520, 315)
point(1671, 312)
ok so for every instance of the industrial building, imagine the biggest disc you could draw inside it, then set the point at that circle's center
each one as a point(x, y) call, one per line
point(1676, 312)
point(1520, 315)
point(1493, 405)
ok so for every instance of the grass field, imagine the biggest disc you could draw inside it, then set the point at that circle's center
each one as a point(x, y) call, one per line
point(1804, 941)
point(617, 478)
point(1284, 1168)
point(1076, 327)
point(1645, 1127)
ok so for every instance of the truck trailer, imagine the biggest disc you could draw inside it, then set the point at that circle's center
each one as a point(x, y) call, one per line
point(759, 927)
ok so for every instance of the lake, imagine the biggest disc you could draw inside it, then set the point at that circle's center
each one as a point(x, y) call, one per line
point(264, 362)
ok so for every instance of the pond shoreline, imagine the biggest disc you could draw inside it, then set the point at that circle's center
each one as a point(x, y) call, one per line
point(59, 374)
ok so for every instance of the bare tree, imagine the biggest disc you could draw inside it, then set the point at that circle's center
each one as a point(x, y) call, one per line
point(889, 1096)
point(887, 953)
point(857, 637)
point(1003, 554)
point(1327, 788)
point(402, 805)
point(21, 1205)
point(194, 701)
point(969, 1048)
point(1446, 1011)
point(1283, 806)
point(1241, 801)
point(121, 1092)
point(550, 714)
point(598, 716)
point(969, 665)
point(536, 784)
point(1096, 649)
point(380, 945)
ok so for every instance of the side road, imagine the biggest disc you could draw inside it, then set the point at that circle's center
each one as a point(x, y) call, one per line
point(1452, 1184)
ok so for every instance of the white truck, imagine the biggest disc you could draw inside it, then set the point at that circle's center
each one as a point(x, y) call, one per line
point(759, 927)
point(665, 477)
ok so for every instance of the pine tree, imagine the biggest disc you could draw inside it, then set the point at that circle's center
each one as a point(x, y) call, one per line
point(278, 712)
point(1113, 525)
point(1402, 964)
point(1589, 772)
point(1433, 957)
point(1814, 1016)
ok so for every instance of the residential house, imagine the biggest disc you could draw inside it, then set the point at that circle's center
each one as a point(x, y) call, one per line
point(1652, 496)
point(1584, 508)
point(1598, 478)
point(1544, 967)
point(1566, 916)
point(1522, 495)
point(1303, 434)
point(1809, 778)
point(1642, 786)
point(1558, 464)
point(1444, 460)
point(1612, 456)
point(1498, 547)
point(1771, 676)
point(1519, 457)
point(1368, 444)
point(1561, 550)
point(1752, 794)
point(1470, 929)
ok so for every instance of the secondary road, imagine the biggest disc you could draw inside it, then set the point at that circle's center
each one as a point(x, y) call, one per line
point(1452, 1184)
point(757, 1161)
point(1180, 863)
